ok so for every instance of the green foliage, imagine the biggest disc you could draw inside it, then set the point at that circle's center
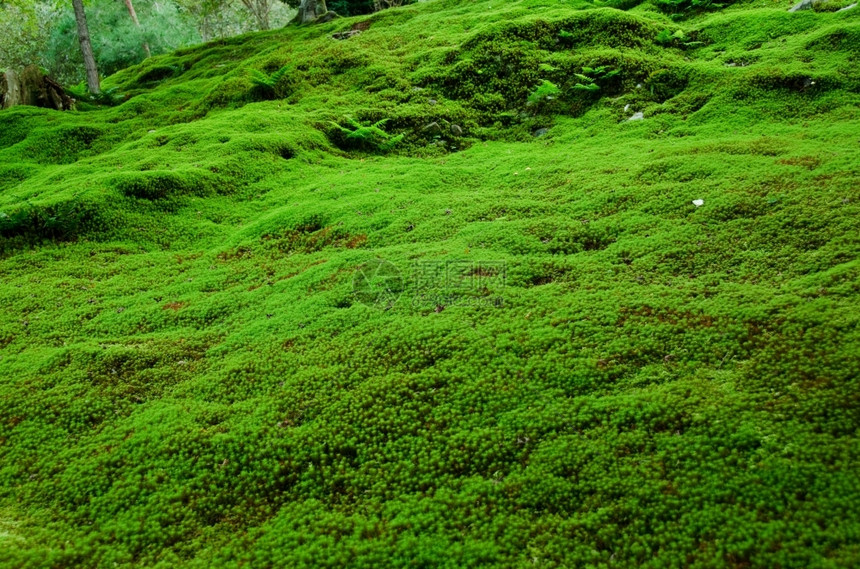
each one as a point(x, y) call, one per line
point(349, 7)
point(274, 85)
point(61, 144)
point(219, 19)
point(117, 42)
point(830, 5)
point(512, 59)
point(24, 27)
point(356, 7)
point(592, 77)
point(545, 92)
point(666, 37)
point(369, 137)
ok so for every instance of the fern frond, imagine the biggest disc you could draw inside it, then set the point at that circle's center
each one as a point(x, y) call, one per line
point(369, 137)
point(392, 142)
point(260, 78)
point(279, 74)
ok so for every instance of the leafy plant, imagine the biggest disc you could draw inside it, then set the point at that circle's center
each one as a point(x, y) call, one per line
point(587, 87)
point(591, 76)
point(271, 86)
point(545, 92)
point(367, 136)
point(666, 37)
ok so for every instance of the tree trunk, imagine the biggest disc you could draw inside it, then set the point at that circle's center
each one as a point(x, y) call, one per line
point(86, 47)
point(31, 87)
point(133, 15)
point(310, 11)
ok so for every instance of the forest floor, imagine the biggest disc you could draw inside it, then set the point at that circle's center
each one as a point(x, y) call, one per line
point(516, 323)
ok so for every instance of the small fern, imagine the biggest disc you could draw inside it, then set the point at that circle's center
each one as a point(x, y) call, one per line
point(367, 136)
point(591, 76)
point(545, 92)
point(666, 37)
point(270, 85)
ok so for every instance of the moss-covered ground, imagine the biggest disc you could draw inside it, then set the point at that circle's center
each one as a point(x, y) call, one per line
point(235, 335)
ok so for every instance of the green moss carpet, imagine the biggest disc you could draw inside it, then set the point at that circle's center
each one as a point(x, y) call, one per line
point(428, 297)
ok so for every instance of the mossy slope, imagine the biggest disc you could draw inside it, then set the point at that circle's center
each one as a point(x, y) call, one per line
point(191, 378)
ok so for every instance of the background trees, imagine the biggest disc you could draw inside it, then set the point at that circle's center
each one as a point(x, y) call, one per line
point(223, 18)
point(24, 27)
point(133, 13)
point(121, 32)
point(45, 33)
